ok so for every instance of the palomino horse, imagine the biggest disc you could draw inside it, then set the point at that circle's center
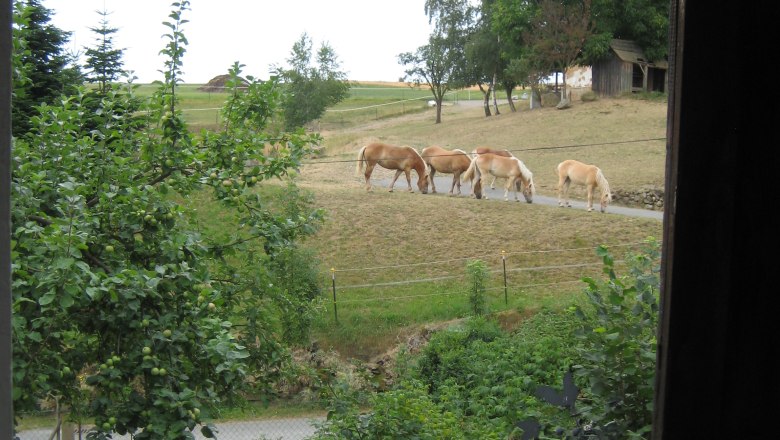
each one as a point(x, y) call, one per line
point(510, 168)
point(483, 150)
point(590, 176)
point(453, 162)
point(401, 159)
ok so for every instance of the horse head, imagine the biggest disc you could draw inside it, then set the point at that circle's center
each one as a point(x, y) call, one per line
point(606, 197)
point(422, 182)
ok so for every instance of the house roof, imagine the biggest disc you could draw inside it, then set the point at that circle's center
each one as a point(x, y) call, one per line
point(629, 51)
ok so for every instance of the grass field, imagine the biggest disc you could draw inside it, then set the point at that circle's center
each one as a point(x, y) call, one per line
point(399, 259)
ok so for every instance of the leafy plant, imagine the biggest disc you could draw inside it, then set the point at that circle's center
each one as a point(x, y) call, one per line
point(617, 345)
point(478, 275)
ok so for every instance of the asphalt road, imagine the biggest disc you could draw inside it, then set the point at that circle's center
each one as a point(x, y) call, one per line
point(444, 182)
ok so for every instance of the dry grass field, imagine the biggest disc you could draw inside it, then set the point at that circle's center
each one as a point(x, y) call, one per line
point(386, 242)
point(625, 137)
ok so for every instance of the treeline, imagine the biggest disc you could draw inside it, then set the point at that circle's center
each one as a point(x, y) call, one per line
point(502, 44)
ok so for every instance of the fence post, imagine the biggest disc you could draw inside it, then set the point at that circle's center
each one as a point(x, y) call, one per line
point(335, 307)
point(503, 260)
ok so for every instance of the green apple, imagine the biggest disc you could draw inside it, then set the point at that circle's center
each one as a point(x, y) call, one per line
point(146, 350)
point(167, 333)
point(109, 248)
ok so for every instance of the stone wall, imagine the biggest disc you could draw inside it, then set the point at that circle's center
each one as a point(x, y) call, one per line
point(645, 198)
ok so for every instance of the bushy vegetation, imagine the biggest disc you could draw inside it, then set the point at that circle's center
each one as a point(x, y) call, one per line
point(123, 310)
point(486, 381)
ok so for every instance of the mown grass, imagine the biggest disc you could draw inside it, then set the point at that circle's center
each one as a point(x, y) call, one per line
point(400, 258)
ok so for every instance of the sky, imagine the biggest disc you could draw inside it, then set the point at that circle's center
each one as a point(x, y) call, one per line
point(366, 35)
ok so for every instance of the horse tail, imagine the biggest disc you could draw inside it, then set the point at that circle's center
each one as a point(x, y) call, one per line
point(559, 172)
point(603, 184)
point(470, 172)
point(360, 158)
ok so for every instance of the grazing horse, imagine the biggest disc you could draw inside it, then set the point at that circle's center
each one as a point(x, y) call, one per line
point(510, 168)
point(590, 176)
point(454, 162)
point(483, 150)
point(401, 159)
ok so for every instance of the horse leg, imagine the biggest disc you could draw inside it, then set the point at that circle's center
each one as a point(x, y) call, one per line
point(563, 194)
point(392, 183)
point(431, 175)
point(409, 179)
point(369, 170)
point(561, 188)
point(590, 198)
point(493, 183)
point(455, 181)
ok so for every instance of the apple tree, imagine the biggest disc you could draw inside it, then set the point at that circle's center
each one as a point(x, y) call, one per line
point(126, 307)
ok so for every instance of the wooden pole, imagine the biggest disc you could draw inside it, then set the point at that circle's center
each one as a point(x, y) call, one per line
point(335, 307)
point(503, 260)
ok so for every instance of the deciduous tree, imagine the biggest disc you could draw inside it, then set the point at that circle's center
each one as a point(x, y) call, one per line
point(311, 88)
point(441, 64)
point(125, 303)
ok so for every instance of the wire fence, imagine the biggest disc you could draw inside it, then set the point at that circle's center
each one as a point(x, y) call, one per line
point(369, 284)
point(265, 429)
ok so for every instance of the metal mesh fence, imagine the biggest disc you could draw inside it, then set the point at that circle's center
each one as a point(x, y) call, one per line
point(267, 429)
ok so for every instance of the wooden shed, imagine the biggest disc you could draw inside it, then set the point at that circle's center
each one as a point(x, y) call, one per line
point(627, 70)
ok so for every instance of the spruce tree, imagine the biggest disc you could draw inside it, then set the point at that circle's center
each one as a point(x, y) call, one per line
point(49, 70)
point(104, 62)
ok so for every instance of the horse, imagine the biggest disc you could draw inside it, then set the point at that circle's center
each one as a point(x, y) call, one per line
point(590, 176)
point(511, 168)
point(483, 150)
point(445, 161)
point(402, 159)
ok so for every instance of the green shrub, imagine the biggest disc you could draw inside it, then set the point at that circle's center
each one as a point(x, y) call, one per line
point(404, 413)
point(617, 345)
point(478, 275)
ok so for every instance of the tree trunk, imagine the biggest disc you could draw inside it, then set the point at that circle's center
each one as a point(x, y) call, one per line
point(438, 110)
point(509, 99)
point(536, 98)
point(485, 99)
point(493, 88)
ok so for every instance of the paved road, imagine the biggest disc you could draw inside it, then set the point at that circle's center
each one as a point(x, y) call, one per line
point(444, 182)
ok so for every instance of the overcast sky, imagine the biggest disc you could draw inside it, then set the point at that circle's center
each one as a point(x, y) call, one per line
point(367, 35)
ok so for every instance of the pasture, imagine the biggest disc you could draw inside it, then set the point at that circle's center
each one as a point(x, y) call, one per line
point(399, 258)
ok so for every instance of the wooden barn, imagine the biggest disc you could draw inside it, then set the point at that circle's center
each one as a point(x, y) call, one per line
point(627, 70)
